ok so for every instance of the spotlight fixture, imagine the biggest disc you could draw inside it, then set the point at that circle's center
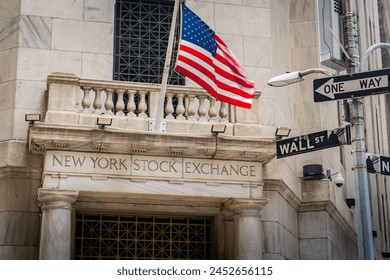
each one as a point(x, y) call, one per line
point(32, 117)
point(281, 132)
point(103, 121)
point(218, 128)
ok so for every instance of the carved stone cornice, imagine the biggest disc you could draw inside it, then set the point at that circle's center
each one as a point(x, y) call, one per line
point(78, 138)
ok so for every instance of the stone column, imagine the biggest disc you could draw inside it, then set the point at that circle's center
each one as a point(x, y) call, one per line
point(247, 227)
point(56, 208)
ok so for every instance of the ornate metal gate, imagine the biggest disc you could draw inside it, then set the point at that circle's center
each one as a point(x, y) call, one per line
point(104, 236)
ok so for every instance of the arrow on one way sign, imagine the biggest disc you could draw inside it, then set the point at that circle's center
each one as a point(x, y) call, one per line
point(353, 85)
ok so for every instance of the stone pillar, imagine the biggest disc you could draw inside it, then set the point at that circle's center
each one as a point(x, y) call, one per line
point(247, 227)
point(56, 205)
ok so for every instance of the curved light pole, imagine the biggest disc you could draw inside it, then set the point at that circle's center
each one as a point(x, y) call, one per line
point(369, 51)
point(295, 77)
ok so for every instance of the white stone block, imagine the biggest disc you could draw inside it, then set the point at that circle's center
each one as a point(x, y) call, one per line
point(6, 117)
point(35, 32)
point(82, 36)
point(9, 33)
point(30, 96)
point(230, 19)
point(257, 50)
point(49, 61)
point(257, 3)
point(99, 10)
point(9, 8)
point(303, 34)
point(8, 57)
point(68, 9)
point(7, 99)
point(97, 66)
point(313, 225)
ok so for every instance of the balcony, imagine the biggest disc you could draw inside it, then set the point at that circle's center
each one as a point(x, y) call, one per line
point(73, 105)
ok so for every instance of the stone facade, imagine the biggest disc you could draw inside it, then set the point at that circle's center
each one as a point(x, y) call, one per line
point(59, 61)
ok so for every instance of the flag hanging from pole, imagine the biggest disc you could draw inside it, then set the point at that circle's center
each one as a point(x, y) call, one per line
point(205, 58)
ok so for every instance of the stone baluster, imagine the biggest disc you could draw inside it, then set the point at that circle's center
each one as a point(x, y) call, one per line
point(120, 104)
point(56, 223)
point(86, 102)
point(180, 110)
point(223, 112)
point(109, 104)
point(169, 106)
point(142, 106)
point(212, 109)
point(191, 107)
point(131, 104)
point(202, 108)
point(247, 227)
point(97, 103)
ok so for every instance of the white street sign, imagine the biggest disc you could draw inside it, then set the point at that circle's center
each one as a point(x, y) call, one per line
point(352, 85)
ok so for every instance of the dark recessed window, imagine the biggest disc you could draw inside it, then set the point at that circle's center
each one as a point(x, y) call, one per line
point(141, 39)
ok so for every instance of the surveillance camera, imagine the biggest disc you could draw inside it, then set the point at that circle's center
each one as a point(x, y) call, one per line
point(339, 180)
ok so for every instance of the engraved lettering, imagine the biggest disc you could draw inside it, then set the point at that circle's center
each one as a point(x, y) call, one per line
point(56, 159)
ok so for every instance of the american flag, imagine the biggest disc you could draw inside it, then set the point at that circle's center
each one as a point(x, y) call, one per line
point(206, 59)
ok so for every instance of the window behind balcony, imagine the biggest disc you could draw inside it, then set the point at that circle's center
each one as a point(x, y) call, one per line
point(141, 38)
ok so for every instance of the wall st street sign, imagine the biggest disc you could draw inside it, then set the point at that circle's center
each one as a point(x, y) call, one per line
point(352, 85)
point(312, 142)
point(378, 164)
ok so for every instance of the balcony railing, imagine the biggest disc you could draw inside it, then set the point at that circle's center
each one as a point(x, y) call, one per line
point(76, 101)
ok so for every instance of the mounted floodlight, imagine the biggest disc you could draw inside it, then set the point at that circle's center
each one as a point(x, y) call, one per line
point(32, 117)
point(285, 79)
point(295, 77)
point(218, 128)
point(281, 132)
point(103, 121)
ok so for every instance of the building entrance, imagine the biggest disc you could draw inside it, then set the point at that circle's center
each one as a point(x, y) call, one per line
point(129, 237)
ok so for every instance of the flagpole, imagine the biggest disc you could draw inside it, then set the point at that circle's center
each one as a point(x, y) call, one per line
point(160, 108)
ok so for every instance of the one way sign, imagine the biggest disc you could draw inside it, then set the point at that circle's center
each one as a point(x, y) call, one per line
point(352, 85)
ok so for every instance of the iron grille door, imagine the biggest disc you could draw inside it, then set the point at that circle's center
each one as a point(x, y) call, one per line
point(131, 237)
point(141, 38)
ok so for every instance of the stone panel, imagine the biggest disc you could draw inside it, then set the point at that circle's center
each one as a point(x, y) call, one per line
point(314, 249)
point(97, 66)
point(9, 33)
point(231, 19)
point(7, 124)
point(303, 10)
point(99, 10)
point(8, 57)
point(306, 118)
point(68, 9)
point(303, 34)
point(257, 3)
point(49, 61)
point(9, 8)
point(7, 91)
point(254, 49)
point(30, 95)
point(19, 228)
point(18, 194)
point(35, 32)
point(18, 252)
point(82, 36)
point(313, 225)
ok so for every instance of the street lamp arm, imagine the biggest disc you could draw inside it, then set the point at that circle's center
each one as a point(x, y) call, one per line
point(295, 77)
point(316, 71)
point(369, 51)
